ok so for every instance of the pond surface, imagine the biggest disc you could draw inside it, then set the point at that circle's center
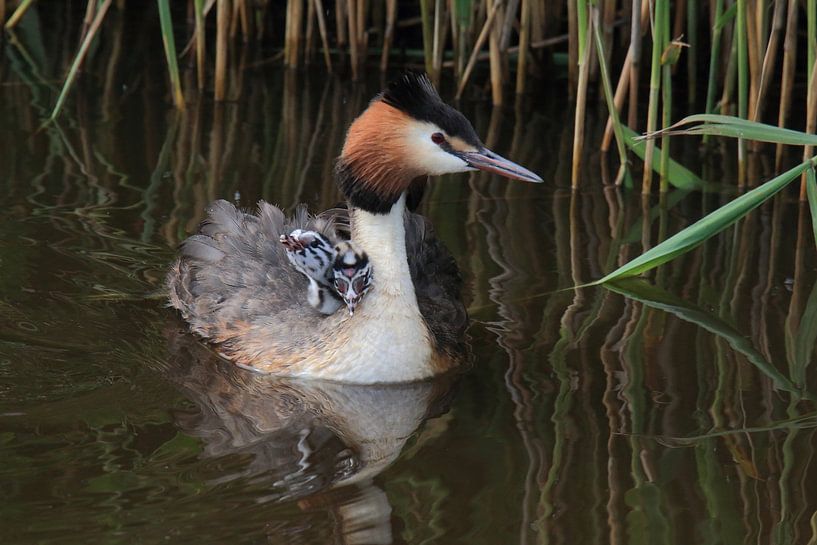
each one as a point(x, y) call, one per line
point(681, 412)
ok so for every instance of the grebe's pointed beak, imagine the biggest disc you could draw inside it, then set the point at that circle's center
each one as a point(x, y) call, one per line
point(486, 160)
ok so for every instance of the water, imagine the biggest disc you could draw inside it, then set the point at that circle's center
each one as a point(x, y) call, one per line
point(673, 415)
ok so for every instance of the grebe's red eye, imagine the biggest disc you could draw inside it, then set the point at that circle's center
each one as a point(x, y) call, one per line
point(438, 138)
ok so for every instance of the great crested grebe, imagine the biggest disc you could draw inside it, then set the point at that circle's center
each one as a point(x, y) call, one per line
point(235, 286)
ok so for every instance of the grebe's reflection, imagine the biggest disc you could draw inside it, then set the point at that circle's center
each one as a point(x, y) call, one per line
point(319, 443)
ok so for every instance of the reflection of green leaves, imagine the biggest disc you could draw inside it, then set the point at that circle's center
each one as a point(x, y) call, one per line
point(706, 227)
point(800, 342)
point(180, 447)
point(811, 190)
point(655, 297)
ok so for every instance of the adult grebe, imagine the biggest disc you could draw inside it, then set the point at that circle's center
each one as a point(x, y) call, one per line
point(235, 286)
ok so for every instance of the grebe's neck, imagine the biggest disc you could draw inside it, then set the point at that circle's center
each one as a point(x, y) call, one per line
point(383, 237)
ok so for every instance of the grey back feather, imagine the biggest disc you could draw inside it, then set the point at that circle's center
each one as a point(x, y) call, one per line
point(236, 270)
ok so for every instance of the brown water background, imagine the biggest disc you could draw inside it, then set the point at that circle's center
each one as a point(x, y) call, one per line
point(682, 412)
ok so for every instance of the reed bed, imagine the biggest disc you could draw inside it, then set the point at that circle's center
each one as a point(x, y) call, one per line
point(500, 46)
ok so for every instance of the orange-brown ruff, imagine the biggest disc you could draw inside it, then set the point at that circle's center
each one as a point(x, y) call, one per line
point(235, 287)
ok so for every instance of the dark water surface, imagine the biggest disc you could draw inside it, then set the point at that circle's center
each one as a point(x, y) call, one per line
point(682, 413)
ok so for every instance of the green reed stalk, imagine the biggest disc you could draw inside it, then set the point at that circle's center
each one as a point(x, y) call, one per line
point(198, 7)
point(608, 96)
point(583, 27)
point(579, 120)
point(18, 14)
point(811, 126)
point(222, 29)
point(692, 56)
point(714, 60)
point(743, 85)
point(655, 87)
point(83, 50)
point(811, 34)
point(428, 34)
point(169, 42)
point(787, 78)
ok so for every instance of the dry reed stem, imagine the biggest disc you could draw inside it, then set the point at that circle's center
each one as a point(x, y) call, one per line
point(90, 12)
point(618, 100)
point(351, 19)
point(636, 34)
point(787, 78)
point(572, 47)
point(340, 23)
point(388, 33)
point(581, 105)
point(436, 46)
point(769, 60)
point(362, 34)
point(2, 11)
point(495, 59)
point(628, 79)
point(292, 39)
point(234, 19)
point(327, 58)
point(222, 29)
point(483, 35)
point(18, 14)
point(245, 21)
point(310, 31)
point(524, 43)
point(753, 48)
point(507, 24)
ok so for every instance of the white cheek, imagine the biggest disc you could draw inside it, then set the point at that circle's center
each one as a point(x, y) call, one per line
point(428, 157)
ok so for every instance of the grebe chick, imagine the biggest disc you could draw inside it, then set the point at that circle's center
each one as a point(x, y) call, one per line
point(352, 273)
point(313, 255)
point(336, 274)
point(236, 288)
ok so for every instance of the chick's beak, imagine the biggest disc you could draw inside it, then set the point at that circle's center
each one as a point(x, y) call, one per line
point(485, 159)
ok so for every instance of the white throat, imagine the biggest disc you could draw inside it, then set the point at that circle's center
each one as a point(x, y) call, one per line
point(387, 339)
point(383, 238)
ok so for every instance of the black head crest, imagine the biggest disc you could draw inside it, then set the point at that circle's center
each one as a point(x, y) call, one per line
point(413, 94)
point(410, 93)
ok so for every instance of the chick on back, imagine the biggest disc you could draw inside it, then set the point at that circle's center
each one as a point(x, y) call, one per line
point(336, 274)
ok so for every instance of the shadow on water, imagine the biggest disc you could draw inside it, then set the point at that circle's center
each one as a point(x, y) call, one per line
point(675, 410)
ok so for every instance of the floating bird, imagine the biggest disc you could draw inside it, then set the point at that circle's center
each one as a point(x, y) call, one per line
point(235, 287)
point(336, 274)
